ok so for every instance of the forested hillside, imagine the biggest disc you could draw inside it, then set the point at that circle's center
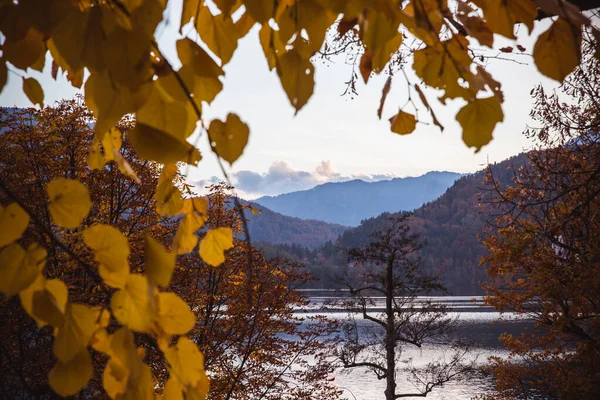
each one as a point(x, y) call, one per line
point(348, 203)
point(271, 227)
point(450, 225)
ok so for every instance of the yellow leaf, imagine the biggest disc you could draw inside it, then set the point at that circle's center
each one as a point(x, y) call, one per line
point(111, 140)
point(297, 77)
point(142, 387)
point(174, 316)
point(111, 251)
point(227, 7)
point(214, 244)
point(366, 65)
point(403, 123)
point(168, 196)
point(557, 51)
point(125, 167)
point(101, 341)
point(200, 391)
point(185, 239)
point(186, 362)
point(95, 158)
point(75, 333)
point(126, 57)
point(229, 138)
point(307, 15)
point(191, 9)
point(218, 32)
point(69, 202)
point(164, 113)
point(13, 222)
point(195, 204)
point(383, 54)
point(203, 71)
point(501, 16)
point(441, 71)
point(124, 365)
point(260, 10)
point(153, 144)
point(173, 390)
point(131, 305)
point(271, 44)
point(45, 301)
point(478, 119)
point(26, 297)
point(19, 268)
point(477, 29)
point(67, 379)
point(33, 90)
point(244, 24)
point(159, 262)
point(109, 102)
point(24, 52)
point(380, 35)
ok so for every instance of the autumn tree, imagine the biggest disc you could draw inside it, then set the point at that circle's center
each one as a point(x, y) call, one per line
point(254, 345)
point(109, 48)
point(36, 149)
point(239, 321)
point(544, 247)
point(388, 267)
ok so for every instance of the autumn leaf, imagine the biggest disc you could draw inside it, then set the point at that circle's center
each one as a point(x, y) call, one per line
point(45, 301)
point(131, 305)
point(186, 363)
point(159, 262)
point(111, 251)
point(95, 158)
point(229, 137)
point(185, 239)
point(403, 123)
point(69, 202)
point(67, 379)
point(218, 32)
point(168, 197)
point(557, 51)
point(478, 120)
point(174, 316)
point(384, 93)
point(297, 78)
point(34, 91)
point(75, 333)
point(154, 144)
point(24, 52)
point(19, 267)
point(13, 222)
point(214, 244)
point(260, 10)
point(109, 102)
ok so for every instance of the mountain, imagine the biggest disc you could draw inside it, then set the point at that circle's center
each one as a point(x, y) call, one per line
point(450, 225)
point(348, 203)
point(271, 227)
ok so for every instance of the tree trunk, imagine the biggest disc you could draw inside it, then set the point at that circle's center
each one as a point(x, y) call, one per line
point(390, 340)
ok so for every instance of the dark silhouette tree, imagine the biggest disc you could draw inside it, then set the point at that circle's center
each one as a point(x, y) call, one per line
point(389, 267)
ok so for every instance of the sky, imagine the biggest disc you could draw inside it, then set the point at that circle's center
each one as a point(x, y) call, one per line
point(334, 137)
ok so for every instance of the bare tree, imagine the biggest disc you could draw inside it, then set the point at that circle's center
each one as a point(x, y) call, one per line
point(388, 267)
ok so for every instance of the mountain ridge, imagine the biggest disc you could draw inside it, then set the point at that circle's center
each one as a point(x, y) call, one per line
point(349, 202)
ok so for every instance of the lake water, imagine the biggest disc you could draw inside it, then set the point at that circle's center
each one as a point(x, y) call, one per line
point(475, 323)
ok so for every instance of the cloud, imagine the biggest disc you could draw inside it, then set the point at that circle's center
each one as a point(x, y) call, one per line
point(281, 177)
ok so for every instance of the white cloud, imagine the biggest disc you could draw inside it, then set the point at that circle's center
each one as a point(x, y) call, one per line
point(281, 177)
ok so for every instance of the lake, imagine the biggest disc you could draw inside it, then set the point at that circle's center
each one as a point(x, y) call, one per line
point(476, 323)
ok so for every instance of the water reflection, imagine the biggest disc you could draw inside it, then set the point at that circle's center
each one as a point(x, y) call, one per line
point(481, 326)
